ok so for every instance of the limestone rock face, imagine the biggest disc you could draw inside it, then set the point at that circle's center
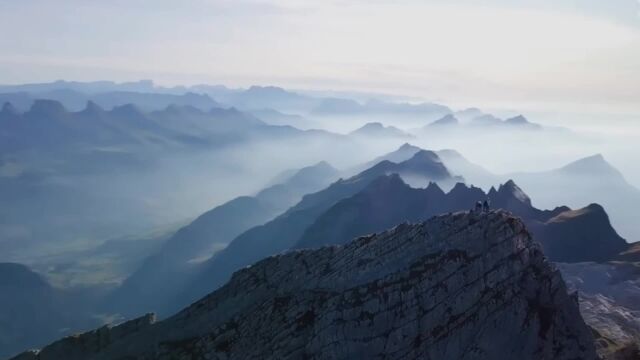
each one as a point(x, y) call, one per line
point(609, 302)
point(91, 343)
point(458, 286)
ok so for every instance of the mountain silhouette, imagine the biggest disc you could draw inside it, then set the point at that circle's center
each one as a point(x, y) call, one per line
point(33, 312)
point(284, 231)
point(162, 274)
point(566, 235)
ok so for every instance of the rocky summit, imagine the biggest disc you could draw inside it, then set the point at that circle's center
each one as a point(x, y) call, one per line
point(457, 286)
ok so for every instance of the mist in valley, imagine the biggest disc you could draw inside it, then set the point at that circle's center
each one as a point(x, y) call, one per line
point(75, 208)
point(127, 225)
point(282, 176)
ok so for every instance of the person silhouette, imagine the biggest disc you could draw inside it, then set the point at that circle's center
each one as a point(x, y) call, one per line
point(485, 206)
point(479, 207)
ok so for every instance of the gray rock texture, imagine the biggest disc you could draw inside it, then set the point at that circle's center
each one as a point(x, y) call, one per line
point(609, 302)
point(457, 286)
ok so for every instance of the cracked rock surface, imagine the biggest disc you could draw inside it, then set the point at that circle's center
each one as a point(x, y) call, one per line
point(457, 286)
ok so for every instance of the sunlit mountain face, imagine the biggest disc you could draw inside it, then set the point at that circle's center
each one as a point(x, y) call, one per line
point(287, 179)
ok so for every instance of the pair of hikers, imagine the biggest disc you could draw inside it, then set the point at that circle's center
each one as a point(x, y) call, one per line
point(482, 206)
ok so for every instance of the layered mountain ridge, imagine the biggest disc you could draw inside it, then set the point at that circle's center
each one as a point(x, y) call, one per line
point(588, 180)
point(566, 235)
point(164, 272)
point(463, 286)
point(378, 198)
point(47, 124)
point(284, 231)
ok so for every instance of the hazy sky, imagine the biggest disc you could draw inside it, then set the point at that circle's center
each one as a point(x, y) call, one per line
point(560, 53)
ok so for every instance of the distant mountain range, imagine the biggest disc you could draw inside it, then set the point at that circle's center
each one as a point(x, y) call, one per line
point(591, 179)
point(48, 124)
point(77, 156)
point(578, 184)
point(265, 99)
point(275, 105)
point(90, 174)
point(378, 197)
point(484, 121)
point(75, 101)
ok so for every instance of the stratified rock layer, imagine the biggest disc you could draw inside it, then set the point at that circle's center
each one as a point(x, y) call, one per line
point(609, 303)
point(458, 286)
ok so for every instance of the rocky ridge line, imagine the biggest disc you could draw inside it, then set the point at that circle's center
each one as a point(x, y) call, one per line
point(458, 286)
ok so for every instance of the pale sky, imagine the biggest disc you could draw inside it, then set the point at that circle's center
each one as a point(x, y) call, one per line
point(560, 53)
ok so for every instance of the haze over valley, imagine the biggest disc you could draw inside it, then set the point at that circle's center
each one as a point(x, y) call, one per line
point(281, 179)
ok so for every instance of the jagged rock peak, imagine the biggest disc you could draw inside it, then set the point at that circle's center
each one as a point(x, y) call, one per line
point(458, 286)
point(425, 162)
point(511, 189)
point(460, 186)
point(434, 188)
point(92, 108)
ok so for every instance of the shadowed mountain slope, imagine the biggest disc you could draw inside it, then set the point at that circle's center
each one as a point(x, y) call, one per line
point(454, 287)
point(33, 312)
point(163, 274)
point(566, 235)
point(284, 231)
point(585, 181)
